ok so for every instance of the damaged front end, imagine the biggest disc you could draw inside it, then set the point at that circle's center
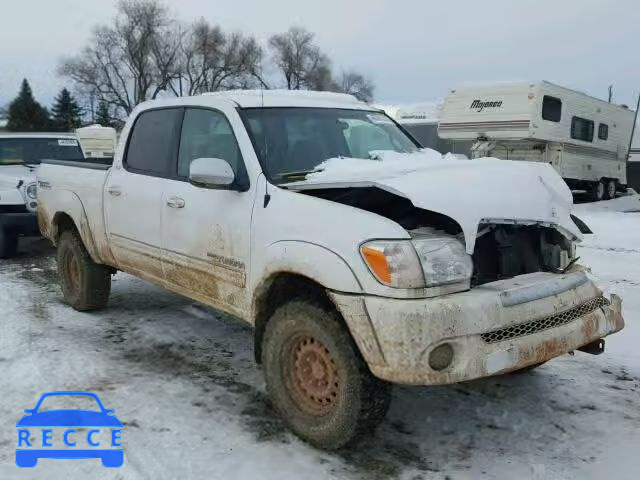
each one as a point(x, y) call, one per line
point(525, 300)
point(506, 251)
point(501, 251)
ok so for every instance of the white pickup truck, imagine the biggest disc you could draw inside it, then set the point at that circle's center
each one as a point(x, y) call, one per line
point(360, 259)
point(20, 154)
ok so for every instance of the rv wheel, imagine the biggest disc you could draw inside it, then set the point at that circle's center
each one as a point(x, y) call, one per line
point(597, 191)
point(611, 189)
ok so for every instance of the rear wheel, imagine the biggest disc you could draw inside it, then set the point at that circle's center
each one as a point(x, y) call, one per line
point(597, 191)
point(612, 186)
point(8, 242)
point(317, 380)
point(85, 284)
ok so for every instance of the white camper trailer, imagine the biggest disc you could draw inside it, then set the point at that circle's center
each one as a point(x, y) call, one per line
point(98, 143)
point(421, 121)
point(584, 138)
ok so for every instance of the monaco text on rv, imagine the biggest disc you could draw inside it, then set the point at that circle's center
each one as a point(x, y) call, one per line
point(584, 138)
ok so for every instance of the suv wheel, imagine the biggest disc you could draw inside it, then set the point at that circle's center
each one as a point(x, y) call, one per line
point(85, 284)
point(8, 243)
point(316, 378)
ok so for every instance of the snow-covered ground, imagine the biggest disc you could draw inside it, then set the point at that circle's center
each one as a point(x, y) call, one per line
point(182, 379)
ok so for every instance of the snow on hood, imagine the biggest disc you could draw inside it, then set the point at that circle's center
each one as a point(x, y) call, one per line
point(12, 174)
point(483, 190)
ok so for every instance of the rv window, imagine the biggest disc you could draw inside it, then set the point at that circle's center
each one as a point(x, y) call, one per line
point(603, 131)
point(551, 108)
point(582, 129)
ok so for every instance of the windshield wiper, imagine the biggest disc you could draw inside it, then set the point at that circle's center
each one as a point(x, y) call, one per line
point(297, 175)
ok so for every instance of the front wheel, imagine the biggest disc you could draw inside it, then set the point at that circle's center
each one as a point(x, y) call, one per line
point(317, 380)
point(85, 284)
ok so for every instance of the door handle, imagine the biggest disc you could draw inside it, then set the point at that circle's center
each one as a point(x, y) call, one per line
point(115, 191)
point(175, 202)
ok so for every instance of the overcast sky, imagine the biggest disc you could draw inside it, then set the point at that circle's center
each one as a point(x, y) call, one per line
point(414, 50)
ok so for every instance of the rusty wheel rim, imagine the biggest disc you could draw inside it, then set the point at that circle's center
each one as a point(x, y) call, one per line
point(314, 376)
point(72, 271)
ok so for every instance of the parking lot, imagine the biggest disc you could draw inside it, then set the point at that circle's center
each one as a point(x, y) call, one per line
point(183, 381)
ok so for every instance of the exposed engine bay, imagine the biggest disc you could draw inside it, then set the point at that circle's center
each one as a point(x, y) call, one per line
point(505, 251)
point(501, 251)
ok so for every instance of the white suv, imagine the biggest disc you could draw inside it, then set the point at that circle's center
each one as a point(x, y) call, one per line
point(20, 154)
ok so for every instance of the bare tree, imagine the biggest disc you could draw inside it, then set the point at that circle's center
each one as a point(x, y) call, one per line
point(300, 60)
point(212, 60)
point(146, 53)
point(133, 60)
point(356, 84)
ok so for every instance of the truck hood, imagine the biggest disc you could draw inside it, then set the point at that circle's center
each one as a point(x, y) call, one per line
point(471, 192)
point(10, 175)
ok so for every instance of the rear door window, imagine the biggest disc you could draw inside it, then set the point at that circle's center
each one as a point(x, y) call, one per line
point(153, 141)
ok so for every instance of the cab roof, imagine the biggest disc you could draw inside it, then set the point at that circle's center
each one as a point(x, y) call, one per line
point(268, 98)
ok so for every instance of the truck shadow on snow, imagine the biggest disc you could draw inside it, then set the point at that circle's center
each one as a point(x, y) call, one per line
point(429, 429)
point(543, 414)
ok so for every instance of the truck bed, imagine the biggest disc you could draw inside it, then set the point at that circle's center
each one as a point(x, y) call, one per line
point(76, 188)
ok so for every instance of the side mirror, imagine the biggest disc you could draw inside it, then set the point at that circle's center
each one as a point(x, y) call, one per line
point(211, 173)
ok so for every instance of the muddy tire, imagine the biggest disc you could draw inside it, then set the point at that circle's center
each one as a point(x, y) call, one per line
point(85, 284)
point(8, 243)
point(316, 378)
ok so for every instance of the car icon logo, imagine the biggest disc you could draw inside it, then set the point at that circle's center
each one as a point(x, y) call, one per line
point(101, 420)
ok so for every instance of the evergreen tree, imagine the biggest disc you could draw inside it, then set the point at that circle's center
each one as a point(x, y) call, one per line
point(103, 117)
point(25, 114)
point(66, 112)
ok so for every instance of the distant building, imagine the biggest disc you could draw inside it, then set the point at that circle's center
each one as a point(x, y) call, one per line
point(4, 121)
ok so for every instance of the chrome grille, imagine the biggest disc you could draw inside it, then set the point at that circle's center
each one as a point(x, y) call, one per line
point(545, 323)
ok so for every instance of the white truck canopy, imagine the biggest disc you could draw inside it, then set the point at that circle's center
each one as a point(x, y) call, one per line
point(97, 142)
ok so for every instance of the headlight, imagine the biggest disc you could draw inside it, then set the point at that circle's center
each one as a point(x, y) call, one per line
point(444, 260)
point(393, 263)
point(32, 191)
point(422, 262)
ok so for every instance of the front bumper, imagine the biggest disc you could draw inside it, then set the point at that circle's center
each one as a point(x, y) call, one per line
point(493, 329)
point(24, 223)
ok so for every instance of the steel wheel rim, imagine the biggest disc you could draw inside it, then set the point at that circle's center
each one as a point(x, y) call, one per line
point(611, 187)
point(313, 376)
point(600, 191)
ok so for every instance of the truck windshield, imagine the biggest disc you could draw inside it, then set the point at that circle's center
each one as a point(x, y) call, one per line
point(291, 142)
point(31, 151)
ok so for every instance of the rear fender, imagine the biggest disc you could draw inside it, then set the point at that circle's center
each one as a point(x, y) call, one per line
point(68, 204)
